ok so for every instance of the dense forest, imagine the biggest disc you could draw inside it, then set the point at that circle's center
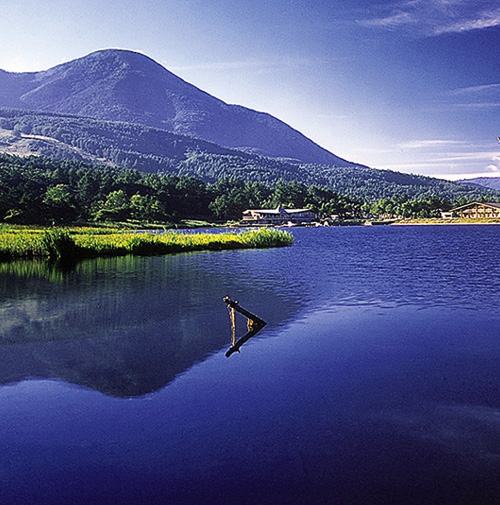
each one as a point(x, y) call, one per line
point(150, 150)
point(43, 190)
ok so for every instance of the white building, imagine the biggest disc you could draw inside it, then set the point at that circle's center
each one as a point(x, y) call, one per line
point(474, 210)
point(279, 215)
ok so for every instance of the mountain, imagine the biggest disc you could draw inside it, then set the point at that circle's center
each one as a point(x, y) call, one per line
point(483, 182)
point(120, 85)
point(121, 108)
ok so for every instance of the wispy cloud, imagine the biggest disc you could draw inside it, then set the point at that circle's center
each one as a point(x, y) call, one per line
point(445, 156)
point(446, 151)
point(485, 156)
point(435, 17)
point(476, 90)
point(481, 97)
point(425, 144)
point(391, 21)
point(251, 64)
point(479, 105)
point(485, 19)
point(493, 174)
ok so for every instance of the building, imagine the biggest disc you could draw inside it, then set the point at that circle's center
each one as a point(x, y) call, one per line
point(278, 216)
point(474, 210)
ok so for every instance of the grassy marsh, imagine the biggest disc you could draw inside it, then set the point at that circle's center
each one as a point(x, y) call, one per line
point(76, 243)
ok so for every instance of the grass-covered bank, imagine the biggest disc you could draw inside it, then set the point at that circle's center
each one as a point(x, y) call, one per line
point(79, 243)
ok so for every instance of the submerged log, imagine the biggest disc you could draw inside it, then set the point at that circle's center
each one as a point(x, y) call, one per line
point(238, 308)
point(254, 324)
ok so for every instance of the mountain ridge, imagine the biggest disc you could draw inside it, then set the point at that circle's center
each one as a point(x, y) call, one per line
point(123, 85)
point(150, 150)
point(482, 182)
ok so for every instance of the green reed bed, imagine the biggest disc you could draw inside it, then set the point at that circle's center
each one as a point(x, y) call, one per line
point(173, 242)
point(87, 243)
point(20, 244)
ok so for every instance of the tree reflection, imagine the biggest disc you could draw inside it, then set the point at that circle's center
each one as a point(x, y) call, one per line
point(123, 326)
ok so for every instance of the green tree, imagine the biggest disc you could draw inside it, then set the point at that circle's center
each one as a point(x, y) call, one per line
point(60, 203)
point(116, 207)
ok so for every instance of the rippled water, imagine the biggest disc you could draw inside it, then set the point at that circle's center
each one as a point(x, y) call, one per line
point(375, 380)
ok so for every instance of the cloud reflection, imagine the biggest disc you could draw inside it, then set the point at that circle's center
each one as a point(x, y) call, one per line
point(467, 430)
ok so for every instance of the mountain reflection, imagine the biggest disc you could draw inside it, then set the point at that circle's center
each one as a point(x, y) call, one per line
point(124, 326)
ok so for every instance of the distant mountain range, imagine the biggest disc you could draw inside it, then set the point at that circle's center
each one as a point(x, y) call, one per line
point(483, 182)
point(119, 85)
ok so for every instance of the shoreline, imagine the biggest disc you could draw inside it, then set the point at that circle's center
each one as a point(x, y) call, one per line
point(440, 221)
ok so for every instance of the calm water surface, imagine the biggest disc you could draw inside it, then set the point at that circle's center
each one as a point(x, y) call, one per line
point(375, 381)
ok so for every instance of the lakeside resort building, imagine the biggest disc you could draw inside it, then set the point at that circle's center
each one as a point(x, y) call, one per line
point(474, 210)
point(278, 216)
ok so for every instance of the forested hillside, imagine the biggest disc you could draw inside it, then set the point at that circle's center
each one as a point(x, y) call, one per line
point(151, 150)
point(43, 190)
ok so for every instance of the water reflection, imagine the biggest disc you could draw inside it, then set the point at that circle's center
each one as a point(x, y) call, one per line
point(365, 394)
point(254, 325)
point(124, 326)
point(55, 271)
point(128, 326)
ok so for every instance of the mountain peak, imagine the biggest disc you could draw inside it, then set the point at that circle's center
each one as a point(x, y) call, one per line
point(115, 57)
point(125, 85)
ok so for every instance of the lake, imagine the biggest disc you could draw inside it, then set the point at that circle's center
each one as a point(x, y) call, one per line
point(375, 381)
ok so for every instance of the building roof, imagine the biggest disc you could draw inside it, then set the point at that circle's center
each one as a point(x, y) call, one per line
point(278, 210)
point(493, 205)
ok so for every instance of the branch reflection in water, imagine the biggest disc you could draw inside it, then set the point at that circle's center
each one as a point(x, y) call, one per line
point(254, 325)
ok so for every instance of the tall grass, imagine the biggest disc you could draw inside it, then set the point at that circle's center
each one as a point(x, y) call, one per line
point(68, 244)
point(20, 244)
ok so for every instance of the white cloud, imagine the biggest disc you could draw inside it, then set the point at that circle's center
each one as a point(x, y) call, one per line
point(476, 90)
point(482, 98)
point(493, 168)
point(391, 21)
point(467, 175)
point(436, 17)
point(488, 158)
point(250, 64)
point(425, 144)
point(484, 20)
point(444, 156)
point(478, 105)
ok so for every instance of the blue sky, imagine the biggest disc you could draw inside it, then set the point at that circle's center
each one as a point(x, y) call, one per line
point(413, 86)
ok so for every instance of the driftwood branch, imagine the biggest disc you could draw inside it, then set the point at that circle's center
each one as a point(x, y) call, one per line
point(237, 307)
point(254, 325)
